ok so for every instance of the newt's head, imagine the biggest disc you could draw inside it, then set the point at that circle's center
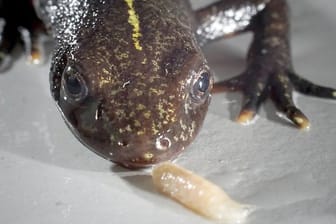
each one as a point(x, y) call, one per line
point(135, 100)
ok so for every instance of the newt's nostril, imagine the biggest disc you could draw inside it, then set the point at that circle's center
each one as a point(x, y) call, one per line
point(163, 143)
point(123, 143)
point(99, 111)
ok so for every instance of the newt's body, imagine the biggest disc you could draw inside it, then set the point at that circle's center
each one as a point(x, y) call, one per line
point(130, 78)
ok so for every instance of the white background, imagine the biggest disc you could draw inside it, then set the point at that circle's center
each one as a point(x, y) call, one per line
point(47, 176)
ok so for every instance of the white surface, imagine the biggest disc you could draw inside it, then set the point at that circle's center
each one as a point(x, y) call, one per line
point(47, 176)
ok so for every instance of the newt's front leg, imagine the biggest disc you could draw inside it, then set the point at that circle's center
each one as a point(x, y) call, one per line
point(269, 72)
point(19, 23)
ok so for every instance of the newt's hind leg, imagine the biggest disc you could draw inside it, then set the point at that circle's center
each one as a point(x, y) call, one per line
point(269, 72)
point(20, 24)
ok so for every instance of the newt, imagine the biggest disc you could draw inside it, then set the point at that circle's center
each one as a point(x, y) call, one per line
point(129, 76)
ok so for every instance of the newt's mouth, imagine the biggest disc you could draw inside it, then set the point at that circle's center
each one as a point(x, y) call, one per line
point(147, 159)
point(139, 152)
point(128, 149)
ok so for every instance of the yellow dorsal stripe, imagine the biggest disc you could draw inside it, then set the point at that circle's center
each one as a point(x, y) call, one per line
point(134, 21)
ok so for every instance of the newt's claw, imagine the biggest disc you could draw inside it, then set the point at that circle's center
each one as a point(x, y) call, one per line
point(35, 58)
point(282, 96)
point(35, 54)
point(301, 121)
point(246, 117)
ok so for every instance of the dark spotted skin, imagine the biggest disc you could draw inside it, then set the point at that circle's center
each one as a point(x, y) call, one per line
point(139, 109)
point(131, 82)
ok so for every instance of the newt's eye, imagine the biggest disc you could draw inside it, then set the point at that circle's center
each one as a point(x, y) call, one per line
point(74, 85)
point(201, 86)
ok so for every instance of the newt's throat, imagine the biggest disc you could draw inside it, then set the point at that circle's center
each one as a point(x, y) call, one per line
point(133, 20)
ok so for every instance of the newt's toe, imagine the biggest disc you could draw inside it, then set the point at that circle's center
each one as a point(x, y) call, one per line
point(301, 121)
point(35, 58)
point(279, 87)
point(246, 117)
point(307, 87)
point(33, 45)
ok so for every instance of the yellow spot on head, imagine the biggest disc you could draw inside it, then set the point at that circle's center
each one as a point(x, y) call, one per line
point(128, 128)
point(104, 80)
point(140, 133)
point(138, 92)
point(155, 128)
point(140, 107)
point(106, 71)
point(137, 123)
point(148, 156)
point(132, 114)
point(158, 92)
point(334, 94)
point(134, 21)
point(147, 114)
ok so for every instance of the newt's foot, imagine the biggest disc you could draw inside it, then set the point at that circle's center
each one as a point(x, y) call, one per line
point(258, 85)
point(20, 24)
